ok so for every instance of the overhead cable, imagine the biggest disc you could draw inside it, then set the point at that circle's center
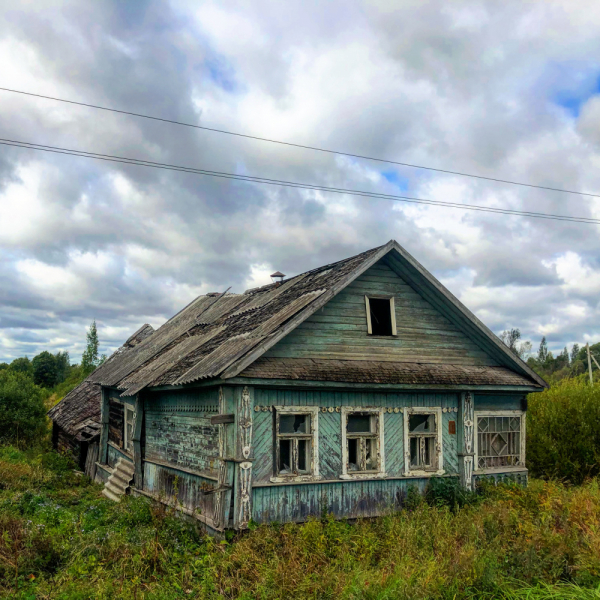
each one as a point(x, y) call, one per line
point(303, 146)
point(290, 184)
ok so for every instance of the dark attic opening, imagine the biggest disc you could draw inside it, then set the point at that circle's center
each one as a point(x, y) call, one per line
point(381, 316)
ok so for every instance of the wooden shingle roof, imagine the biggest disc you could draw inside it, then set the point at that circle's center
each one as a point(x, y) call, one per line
point(78, 413)
point(221, 335)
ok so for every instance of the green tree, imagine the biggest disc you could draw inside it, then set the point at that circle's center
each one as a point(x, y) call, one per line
point(44, 369)
point(90, 358)
point(22, 365)
point(574, 352)
point(4, 366)
point(543, 351)
point(563, 431)
point(22, 410)
point(512, 337)
point(63, 363)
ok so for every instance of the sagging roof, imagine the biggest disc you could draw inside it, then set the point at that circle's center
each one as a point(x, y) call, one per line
point(78, 413)
point(220, 335)
point(358, 371)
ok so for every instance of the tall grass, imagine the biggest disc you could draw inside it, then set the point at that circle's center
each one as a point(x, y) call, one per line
point(563, 431)
point(60, 538)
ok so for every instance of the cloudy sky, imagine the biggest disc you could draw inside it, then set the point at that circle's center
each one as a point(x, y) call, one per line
point(502, 89)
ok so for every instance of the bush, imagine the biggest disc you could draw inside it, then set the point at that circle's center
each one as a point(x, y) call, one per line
point(563, 432)
point(22, 410)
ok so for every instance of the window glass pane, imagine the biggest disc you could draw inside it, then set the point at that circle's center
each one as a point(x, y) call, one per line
point(303, 455)
point(429, 452)
point(421, 423)
point(294, 423)
point(414, 452)
point(359, 423)
point(353, 445)
point(371, 455)
point(285, 456)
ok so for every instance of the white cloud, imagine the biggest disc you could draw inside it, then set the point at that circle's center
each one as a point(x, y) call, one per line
point(434, 83)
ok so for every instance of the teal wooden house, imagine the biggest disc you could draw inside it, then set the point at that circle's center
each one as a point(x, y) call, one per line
point(335, 390)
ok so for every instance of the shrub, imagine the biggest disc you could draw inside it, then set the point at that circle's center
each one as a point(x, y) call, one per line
point(563, 431)
point(22, 410)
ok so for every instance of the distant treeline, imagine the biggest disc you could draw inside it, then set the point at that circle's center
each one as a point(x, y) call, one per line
point(567, 364)
point(28, 388)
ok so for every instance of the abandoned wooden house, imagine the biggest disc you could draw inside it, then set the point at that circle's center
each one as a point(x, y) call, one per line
point(76, 418)
point(334, 390)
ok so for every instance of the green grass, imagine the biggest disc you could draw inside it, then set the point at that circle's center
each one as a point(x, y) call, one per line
point(60, 538)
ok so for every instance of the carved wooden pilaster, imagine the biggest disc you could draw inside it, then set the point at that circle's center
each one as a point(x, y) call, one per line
point(243, 474)
point(219, 501)
point(466, 447)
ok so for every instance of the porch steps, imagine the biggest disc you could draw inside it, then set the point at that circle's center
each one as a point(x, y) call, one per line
point(118, 483)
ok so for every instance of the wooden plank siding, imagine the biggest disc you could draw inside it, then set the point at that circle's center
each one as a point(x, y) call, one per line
point(344, 499)
point(339, 330)
point(178, 430)
point(330, 435)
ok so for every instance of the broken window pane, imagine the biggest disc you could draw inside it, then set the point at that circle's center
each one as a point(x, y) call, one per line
point(294, 423)
point(285, 456)
point(422, 452)
point(353, 460)
point(303, 459)
point(359, 423)
point(371, 455)
point(421, 423)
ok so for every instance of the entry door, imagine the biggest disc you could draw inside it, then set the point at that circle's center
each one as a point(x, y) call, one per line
point(129, 429)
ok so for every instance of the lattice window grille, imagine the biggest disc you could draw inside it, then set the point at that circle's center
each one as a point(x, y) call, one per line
point(499, 442)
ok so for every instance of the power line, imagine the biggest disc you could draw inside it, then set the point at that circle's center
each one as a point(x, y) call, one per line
point(302, 146)
point(290, 184)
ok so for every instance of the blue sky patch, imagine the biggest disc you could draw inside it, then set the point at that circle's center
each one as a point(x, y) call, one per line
point(222, 73)
point(572, 100)
point(393, 177)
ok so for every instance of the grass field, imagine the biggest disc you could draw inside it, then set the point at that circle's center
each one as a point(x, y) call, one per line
point(60, 538)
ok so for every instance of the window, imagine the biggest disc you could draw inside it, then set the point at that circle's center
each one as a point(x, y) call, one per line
point(423, 440)
point(362, 442)
point(296, 451)
point(500, 441)
point(128, 438)
point(381, 315)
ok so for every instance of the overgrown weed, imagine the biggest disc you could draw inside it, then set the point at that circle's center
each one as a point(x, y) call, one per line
point(60, 538)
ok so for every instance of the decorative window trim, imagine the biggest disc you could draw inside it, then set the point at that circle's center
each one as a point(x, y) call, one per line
point(424, 410)
point(500, 413)
point(392, 311)
point(346, 410)
point(313, 411)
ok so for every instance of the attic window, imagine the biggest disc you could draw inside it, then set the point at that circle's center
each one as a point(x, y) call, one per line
point(381, 315)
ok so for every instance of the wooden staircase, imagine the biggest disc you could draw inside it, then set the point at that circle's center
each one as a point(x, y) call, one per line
point(118, 483)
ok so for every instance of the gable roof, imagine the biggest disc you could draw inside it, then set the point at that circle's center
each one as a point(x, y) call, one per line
point(221, 335)
point(78, 413)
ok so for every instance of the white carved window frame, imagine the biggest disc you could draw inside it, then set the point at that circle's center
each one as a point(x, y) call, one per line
point(424, 410)
point(500, 413)
point(128, 419)
point(392, 312)
point(313, 411)
point(379, 412)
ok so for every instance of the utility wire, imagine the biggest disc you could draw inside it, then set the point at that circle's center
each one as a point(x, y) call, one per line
point(290, 184)
point(294, 145)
